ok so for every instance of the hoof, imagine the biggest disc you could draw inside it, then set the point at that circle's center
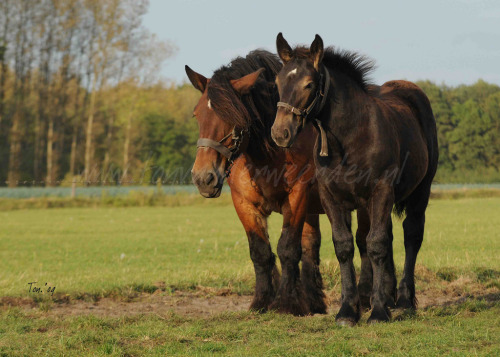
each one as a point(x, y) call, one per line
point(380, 315)
point(365, 302)
point(347, 316)
point(317, 304)
point(405, 303)
point(290, 305)
point(391, 302)
point(345, 322)
point(261, 303)
point(318, 309)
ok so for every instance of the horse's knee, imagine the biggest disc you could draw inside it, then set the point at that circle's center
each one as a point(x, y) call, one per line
point(260, 250)
point(344, 248)
point(289, 246)
point(378, 246)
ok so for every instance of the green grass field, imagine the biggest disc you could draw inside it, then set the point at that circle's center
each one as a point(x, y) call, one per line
point(87, 253)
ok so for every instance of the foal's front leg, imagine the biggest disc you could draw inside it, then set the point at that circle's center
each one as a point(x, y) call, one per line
point(290, 297)
point(343, 242)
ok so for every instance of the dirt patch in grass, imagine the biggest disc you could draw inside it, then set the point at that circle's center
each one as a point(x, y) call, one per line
point(205, 302)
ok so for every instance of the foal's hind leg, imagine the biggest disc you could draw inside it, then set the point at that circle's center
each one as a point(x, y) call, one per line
point(310, 274)
point(413, 226)
point(390, 281)
point(366, 277)
point(379, 248)
point(266, 273)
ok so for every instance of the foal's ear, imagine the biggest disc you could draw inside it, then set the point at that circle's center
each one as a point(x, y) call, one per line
point(283, 48)
point(244, 84)
point(197, 80)
point(316, 50)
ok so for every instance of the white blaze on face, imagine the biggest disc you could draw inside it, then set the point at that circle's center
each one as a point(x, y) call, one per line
point(293, 71)
point(209, 104)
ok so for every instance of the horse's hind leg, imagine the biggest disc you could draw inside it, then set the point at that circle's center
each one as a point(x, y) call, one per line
point(390, 281)
point(310, 274)
point(366, 277)
point(413, 226)
point(266, 273)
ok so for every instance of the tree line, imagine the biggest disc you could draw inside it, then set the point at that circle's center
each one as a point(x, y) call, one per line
point(80, 100)
point(468, 124)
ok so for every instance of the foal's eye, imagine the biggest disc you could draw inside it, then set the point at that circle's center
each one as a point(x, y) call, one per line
point(308, 85)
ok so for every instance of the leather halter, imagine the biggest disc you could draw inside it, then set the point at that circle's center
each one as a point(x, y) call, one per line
point(314, 108)
point(230, 153)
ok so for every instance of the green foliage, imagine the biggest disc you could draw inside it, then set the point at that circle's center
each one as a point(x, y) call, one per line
point(468, 123)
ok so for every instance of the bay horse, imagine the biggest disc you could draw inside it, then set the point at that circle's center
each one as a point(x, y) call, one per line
point(377, 151)
point(235, 114)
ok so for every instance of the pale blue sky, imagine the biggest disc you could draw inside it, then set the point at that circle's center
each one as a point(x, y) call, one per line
point(450, 41)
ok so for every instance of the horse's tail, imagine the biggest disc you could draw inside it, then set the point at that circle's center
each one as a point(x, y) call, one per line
point(420, 103)
point(400, 208)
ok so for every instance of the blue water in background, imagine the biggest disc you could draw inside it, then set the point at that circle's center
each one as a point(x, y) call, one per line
point(94, 191)
point(98, 191)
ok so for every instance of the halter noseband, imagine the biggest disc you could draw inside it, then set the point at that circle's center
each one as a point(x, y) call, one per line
point(230, 153)
point(314, 108)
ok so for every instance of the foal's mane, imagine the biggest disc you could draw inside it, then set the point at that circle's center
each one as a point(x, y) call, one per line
point(254, 111)
point(354, 65)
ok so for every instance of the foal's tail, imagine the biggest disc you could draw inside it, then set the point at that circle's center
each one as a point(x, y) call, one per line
point(419, 102)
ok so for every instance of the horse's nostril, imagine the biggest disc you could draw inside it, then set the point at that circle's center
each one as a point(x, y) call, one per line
point(209, 179)
point(286, 134)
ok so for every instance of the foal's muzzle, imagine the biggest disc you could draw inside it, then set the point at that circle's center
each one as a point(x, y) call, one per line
point(285, 129)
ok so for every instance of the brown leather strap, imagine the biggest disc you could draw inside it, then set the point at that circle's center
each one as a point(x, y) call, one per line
point(294, 110)
point(217, 146)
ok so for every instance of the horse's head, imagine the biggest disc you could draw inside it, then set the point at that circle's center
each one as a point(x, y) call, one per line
point(300, 85)
point(219, 142)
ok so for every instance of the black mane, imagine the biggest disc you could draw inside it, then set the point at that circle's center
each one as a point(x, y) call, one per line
point(255, 111)
point(354, 65)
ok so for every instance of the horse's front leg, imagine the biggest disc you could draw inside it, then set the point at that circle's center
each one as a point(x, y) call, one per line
point(266, 273)
point(310, 275)
point(290, 297)
point(343, 241)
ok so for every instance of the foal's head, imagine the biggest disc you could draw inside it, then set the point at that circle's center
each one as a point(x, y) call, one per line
point(220, 142)
point(299, 83)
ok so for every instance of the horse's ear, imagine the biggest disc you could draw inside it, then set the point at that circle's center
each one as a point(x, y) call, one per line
point(244, 84)
point(316, 50)
point(197, 80)
point(283, 48)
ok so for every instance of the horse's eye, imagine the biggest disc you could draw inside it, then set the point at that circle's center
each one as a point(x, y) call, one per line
point(308, 85)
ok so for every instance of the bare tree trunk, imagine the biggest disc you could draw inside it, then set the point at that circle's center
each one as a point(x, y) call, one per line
point(3, 61)
point(88, 139)
point(126, 146)
point(50, 147)
point(107, 154)
point(15, 150)
point(72, 157)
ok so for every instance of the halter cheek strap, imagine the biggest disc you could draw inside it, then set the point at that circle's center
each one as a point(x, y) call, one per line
point(230, 153)
point(216, 145)
point(314, 108)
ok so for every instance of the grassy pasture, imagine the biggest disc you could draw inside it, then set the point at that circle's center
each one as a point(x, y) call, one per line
point(87, 253)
